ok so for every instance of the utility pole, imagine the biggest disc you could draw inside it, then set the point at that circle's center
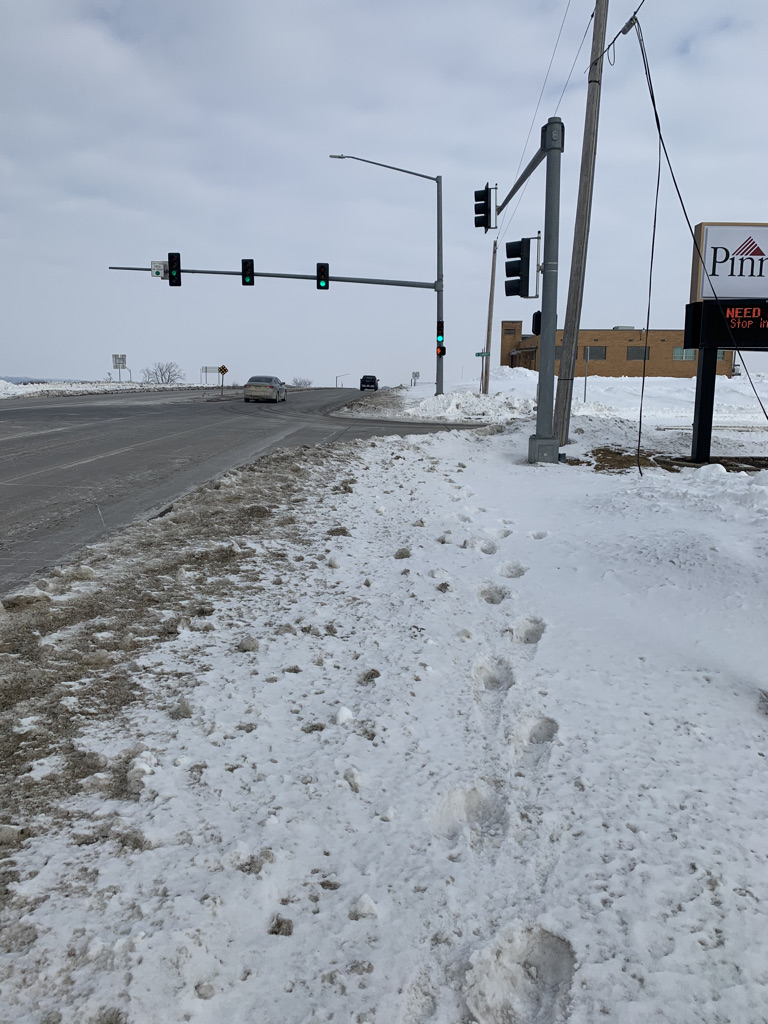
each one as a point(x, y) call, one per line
point(581, 229)
point(486, 370)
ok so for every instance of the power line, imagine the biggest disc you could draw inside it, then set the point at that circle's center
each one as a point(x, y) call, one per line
point(508, 220)
point(634, 23)
point(581, 44)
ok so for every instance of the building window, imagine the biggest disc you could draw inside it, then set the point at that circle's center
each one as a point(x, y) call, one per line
point(593, 352)
point(720, 354)
point(683, 355)
point(637, 352)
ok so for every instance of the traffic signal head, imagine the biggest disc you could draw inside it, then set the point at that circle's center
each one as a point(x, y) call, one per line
point(484, 207)
point(518, 268)
point(247, 266)
point(441, 337)
point(323, 276)
point(174, 270)
point(536, 322)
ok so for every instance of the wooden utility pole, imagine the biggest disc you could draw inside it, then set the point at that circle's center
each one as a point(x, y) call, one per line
point(486, 370)
point(581, 229)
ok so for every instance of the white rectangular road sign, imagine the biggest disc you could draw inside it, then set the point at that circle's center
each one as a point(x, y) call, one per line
point(119, 362)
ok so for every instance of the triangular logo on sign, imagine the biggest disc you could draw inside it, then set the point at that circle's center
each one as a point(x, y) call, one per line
point(749, 247)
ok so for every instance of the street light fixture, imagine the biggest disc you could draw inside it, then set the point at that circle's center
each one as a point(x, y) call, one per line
point(439, 283)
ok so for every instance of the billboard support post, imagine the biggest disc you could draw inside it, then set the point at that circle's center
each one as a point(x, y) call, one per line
point(711, 326)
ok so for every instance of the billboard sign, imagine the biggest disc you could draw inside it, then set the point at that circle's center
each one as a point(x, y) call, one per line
point(735, 261)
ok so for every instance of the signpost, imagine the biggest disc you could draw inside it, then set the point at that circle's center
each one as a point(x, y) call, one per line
point(222, 370)
point(119, 363)
point(711, 325)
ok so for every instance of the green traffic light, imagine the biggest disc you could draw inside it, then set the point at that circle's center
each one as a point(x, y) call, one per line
point(322, 284)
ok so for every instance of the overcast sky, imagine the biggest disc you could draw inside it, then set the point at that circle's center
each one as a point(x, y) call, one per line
point(129, 128)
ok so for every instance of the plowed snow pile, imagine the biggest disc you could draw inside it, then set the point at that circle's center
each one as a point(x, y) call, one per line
point(397, 732)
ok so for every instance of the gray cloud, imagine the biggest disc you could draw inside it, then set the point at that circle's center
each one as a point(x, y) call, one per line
point(132, 128)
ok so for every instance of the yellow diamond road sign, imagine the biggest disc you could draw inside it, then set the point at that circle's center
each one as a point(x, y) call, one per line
point(223, 369)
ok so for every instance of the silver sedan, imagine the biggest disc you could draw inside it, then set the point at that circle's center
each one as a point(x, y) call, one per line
point(271, 389)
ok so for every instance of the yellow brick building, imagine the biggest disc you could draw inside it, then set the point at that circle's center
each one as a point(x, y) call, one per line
point(616, 352)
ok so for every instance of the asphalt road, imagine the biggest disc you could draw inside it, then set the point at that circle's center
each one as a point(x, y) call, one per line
point(75, 469)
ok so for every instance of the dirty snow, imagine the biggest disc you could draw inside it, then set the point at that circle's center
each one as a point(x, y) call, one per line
point(403, 732)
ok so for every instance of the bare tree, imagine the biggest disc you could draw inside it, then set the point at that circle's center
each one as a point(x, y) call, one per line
point(301, 382)
point(162, 373)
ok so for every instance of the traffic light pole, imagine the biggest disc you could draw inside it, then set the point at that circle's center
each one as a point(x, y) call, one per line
point(439, 282)
point(543, 445)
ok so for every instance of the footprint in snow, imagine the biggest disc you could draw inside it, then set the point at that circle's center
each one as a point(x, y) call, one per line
point(537, 748)
point(544, 731)
point(478, 813)
point(492, 593)
point(488, 547)
point(528, 629)
point(524, 975)
point(512, 570)
point(494, 674)
point(493, 678)
point(539, 534)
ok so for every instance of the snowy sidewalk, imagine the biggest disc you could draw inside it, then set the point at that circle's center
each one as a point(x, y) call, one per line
point(397, 732)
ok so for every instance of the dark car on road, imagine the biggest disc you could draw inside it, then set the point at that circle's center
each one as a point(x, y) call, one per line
point(369, 383)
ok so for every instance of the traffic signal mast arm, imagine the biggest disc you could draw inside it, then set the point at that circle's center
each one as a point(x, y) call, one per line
point(432, 285)
point(537, 158)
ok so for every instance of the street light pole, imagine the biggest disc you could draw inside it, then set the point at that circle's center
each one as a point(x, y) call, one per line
point(439, 282)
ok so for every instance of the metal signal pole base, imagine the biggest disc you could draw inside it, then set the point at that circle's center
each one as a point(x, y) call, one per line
point(543, 449)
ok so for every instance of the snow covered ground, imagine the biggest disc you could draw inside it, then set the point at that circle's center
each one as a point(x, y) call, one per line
point(58, 388)
point(512, 394)
point(405, 731)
